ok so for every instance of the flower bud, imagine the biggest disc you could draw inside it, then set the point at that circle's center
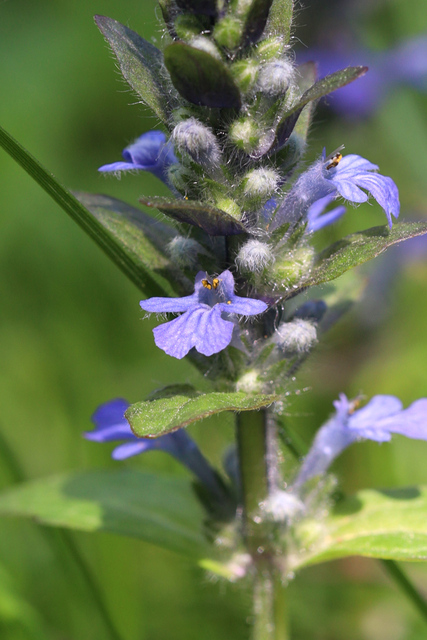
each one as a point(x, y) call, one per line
point(187, 26)
point(245, 73)
point(184, 251)
point(228, 32)
point(254, 256)
point(270, 48)
point(194, 138)
point(297, 336)
point(260, 183)
point(245, 134)
point(275, 77)
point(228, 205)
point(288, 270)
point(205, 44)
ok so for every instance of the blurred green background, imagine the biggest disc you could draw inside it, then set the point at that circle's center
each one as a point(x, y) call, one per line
point(72, 336)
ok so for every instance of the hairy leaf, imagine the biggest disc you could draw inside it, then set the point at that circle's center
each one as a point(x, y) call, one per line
point(200, 78)
point(379, 524)
point(141, 64)
point(280, 19)
point(255, 21)
point(161, 510)
point(213, 221)
point(154, 418)
point(358, 248)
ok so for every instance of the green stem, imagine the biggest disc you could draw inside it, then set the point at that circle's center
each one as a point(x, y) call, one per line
point(257, 447)
point(65, 539)
point(406, 585)
point(270, 600)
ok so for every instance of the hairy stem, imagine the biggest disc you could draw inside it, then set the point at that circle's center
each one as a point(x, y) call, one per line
point(257, 447)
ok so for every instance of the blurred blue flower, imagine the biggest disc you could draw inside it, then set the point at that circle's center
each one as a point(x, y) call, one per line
point(333, 175)
point(111, 425)
point(202, 324)
point(150, 152)
point(381, 417)
point(404, 64)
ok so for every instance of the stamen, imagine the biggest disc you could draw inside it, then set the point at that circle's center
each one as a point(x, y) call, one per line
point(334, 158)
point(207, 284)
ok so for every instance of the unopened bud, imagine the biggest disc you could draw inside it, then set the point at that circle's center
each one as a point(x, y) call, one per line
point(275, 77)
point(245, 134)
point(194, 138)
point(228, 32)
point(269, 48)
point(228, 205)
point(184, 251)
point(297, 336)
point(254, 256)
point(259, 185)
point(204, 44)
point(245, 73)
point(289, 269)
point(187, 26)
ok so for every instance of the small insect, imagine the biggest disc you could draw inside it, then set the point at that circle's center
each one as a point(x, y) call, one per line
point(210, 285)
point(334, 158)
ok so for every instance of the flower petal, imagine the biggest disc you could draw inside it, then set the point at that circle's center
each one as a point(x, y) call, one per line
point(129, 449)
point(316, 223)
point(348, 190)
point(213, 334)
point(352, 164)
point(384, 191)
point(412, 422)
point(169, 305)
point(146, 149)
point(177, 337)
point(244, 306)
point(119, 166)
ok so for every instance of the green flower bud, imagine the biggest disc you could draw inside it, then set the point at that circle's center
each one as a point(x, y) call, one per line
point(254, 256)
point(187, 26)
point(289, 269)
point(245, 73)
point(258, 185)
point(228, 205)
point(182, 178)
point(275, 77)
point(244, 134)
point(269, 48)
point(228, 32)
point(205, 44)
point(184, 252)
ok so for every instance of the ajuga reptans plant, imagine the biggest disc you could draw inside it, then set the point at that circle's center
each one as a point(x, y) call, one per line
point(225, 269)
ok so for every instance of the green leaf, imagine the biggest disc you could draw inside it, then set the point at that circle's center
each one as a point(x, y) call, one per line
point(378, 524)
point(307, 77)
point(202, 7)
point(161, 510)
point(287, 117)
point(143, 238)
point(141, 64)
point(280, 19)
point(358, 248)
point(256, 19)
point(119, 252)
point(200, 78)
point(319, 89)
point(154, 418)
point(214, 222)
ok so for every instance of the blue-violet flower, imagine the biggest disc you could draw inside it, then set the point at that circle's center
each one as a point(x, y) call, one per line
point(150, 152)
point(201, 324)
point(111, 424)
point(316, 217)
point(337, 175)
point(381, 417)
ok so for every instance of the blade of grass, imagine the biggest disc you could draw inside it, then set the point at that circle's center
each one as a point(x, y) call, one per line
point(80, 214)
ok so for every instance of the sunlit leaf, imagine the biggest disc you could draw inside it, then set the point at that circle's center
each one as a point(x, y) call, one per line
point(154, 418)
point(379, 524)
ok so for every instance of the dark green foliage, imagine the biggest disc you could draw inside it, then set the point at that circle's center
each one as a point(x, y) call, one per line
point(200, 78)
